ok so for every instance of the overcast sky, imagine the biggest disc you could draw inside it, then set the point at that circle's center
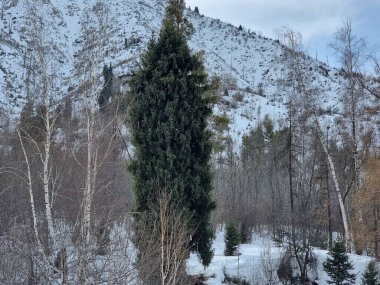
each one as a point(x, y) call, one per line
point(316, 20)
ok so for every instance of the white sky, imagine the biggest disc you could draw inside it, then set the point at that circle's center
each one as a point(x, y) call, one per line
point(316, 20)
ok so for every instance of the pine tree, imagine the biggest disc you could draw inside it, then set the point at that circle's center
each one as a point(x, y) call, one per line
point(106, 92)
point(169, 107)
point(338, 266)
point(371, 276)
point(231, 239)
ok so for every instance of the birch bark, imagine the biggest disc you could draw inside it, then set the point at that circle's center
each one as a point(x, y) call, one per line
point(347, 231)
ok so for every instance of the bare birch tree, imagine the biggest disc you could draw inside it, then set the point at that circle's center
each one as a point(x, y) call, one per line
point(44, 57)
point(94, 30)
point(350, 49)
point(305, 95)
point(164, 248)
point(96, 22)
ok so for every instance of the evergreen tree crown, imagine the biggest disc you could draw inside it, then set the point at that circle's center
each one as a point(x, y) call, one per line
point(338, 266)
point(371, 275)
point(168, 119)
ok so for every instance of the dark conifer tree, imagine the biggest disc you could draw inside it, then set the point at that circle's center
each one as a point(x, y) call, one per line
point(232, 240)
point(371, 276)
point(27, 116)
point(169, 108)
point(338, 266)
point(32, 121)
point(106, 92)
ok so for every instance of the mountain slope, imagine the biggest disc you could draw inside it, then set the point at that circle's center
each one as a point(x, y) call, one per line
point(242, 55)
point(242, 59)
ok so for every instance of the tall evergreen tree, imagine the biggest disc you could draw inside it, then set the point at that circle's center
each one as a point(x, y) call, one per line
point(168, 118)
point(338, 266)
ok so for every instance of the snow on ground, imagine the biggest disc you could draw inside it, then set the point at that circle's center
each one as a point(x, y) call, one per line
point(248, 264)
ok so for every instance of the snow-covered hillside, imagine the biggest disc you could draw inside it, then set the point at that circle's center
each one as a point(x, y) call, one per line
point(248, 58)
point(244, 60)
point(128, 19)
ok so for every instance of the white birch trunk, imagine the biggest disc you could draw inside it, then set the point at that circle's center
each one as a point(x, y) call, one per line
point(46, 174)
point(90, 175)
point(40, 249)
point(94, 58)
point(31, 196)
point(353, 133)
point(347, 231)
point(41, 48)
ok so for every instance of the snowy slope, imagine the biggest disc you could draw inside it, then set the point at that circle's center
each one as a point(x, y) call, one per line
point(242, 55)
point(246, 59)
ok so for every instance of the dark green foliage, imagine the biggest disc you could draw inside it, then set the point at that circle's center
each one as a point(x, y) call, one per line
point(268, 127)
point(338, 266)
point(169, 107)
point(253, 146)
point(196, 10)
point(245, 233)
point(27, 117)
point(221, 122)
point(232, 240)
point(371, 276)
point(32, 121)
point(106, 92)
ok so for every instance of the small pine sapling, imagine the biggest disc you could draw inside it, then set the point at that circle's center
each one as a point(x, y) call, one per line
point(338, 266)
point(371, 275)
point(232, 240)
